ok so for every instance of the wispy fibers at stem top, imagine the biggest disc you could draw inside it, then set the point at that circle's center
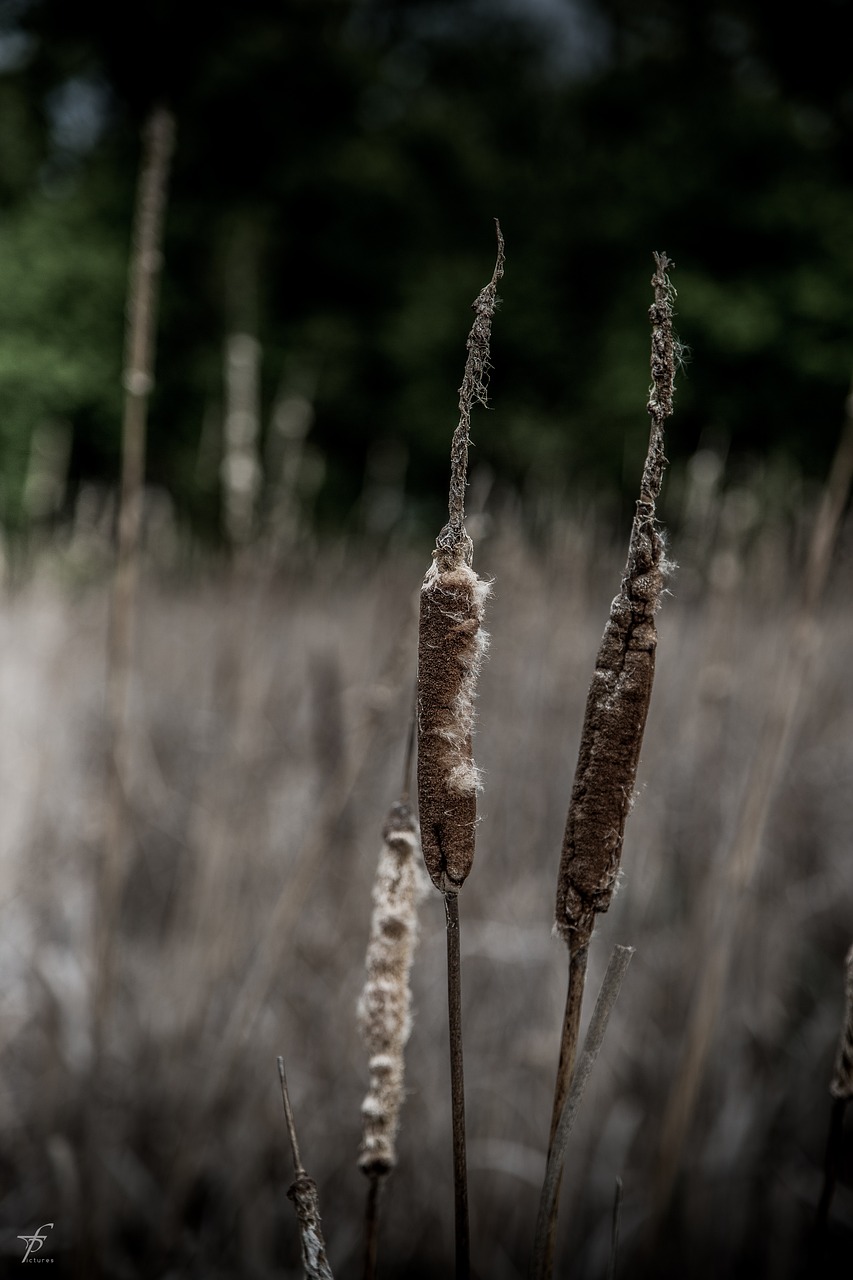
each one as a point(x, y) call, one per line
point(621, 688)
point(474, 390)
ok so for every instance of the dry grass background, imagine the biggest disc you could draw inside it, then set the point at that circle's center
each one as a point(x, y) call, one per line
point(268, 723)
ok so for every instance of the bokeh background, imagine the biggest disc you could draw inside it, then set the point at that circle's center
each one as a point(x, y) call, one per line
point(337, 168)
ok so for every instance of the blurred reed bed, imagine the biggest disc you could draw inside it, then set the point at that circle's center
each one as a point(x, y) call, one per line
point(265, 738)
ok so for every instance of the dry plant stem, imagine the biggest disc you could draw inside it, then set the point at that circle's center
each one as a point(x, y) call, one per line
point(145, 265)
point(743, 854)
point(451, 645)
point(578, 954)
point(841, 1089)
point(614, 1232)
point(607, 996)
point(616, 711)
point(303, 1193)
point(371, 1227)
point(457, 1085)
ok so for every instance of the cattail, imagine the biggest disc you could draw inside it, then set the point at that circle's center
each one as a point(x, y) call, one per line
point(612, 734)
point(621, 687)
point(384, 1010)
point(452, 643)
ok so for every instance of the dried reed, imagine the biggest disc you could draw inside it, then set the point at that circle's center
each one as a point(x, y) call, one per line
point(615, 717)
point(451, 644)
point(841, 1089)
point(138, 380)
point(384, 1010)
point(607, 996)
point(303, 1193)
point(743, 854)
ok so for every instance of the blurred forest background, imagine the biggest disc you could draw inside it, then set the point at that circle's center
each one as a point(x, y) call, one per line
point(337, 169)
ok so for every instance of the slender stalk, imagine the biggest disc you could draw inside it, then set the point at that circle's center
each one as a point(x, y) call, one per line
point(451, 646)
point(138, 380)
point(303, 1193)
point(457, 1085)
point(832, 1158)
point(288, 1118)
point(371, 1227)
point(614, 1231)
point(614, 719)
point(578, 954)
point(841, 1088)
point(607, 996)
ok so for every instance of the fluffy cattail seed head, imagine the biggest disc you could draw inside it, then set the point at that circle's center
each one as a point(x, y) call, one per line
point(384, 1009)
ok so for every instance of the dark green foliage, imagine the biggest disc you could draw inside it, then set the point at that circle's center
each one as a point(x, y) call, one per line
point(364, 150)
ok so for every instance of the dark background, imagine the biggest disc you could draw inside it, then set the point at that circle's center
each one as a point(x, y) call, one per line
point(340, 162)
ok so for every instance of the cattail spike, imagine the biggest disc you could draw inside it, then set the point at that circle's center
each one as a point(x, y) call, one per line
point(620, 692)
point(384, 1010)
point(452, 642)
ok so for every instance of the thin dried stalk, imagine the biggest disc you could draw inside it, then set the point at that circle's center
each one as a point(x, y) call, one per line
point(743, 854)
point(614, 1231)
point(616, 711)
point(303, 1193)
point(841, 1088)
point(451, 644)
point(138, 380)
point(607, 996)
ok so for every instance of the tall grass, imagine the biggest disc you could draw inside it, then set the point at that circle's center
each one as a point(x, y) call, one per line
point(225, 800)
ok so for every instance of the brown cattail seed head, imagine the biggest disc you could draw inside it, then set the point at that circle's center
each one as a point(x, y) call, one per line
point(384, 1010)
point(451, 646)
point(842, 1080)
point(621, 688)
point(451, 642)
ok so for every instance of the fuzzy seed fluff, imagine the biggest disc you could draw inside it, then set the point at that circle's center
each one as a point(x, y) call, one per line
point(451, 647)
point(384, 1009)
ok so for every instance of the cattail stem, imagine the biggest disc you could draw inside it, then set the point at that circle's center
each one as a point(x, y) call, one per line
point(614, 1230)
point(607, 996)
point(371, 1227)
point(614, 722)
point(457, 1085)
point(578, 955)
point(832, 1157)
point(451, 644)
point(841, 1089)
